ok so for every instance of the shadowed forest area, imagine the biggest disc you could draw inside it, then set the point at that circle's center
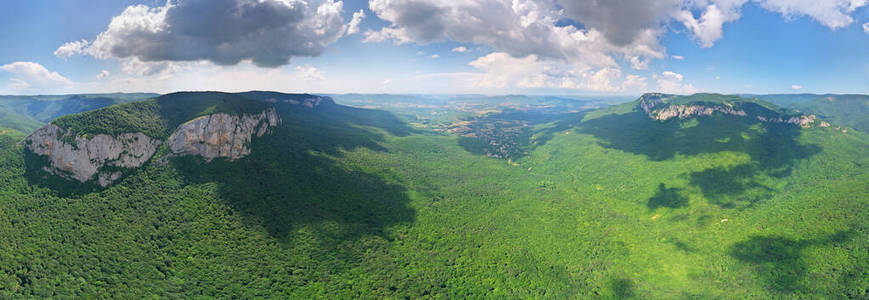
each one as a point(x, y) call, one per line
point(296, 178)
point(342, 202)
point(773, 149)
point(779, 261)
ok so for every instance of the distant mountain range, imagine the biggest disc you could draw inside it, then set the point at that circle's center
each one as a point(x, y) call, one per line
point(26, 113)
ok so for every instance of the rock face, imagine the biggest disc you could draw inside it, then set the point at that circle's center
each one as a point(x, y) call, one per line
point(655, 106)
point(309, 102)
point(221, 135)
point(103, 157)
point(83, 160)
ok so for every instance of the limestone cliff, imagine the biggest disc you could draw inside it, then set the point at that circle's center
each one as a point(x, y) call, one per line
point(311, 101)
point(655, 106)
point(221, 135)
point(104, 157)
point(83, 159)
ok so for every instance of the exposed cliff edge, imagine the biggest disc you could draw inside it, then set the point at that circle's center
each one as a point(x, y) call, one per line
point(656, 107)
point(104, 157)
point(221, 135)
point(86, 157)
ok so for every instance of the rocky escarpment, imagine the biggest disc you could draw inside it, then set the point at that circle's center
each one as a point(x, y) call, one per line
point(311, 101)
point(221, 135)
point(85, 157)
point(656, 107)
point(104, 157)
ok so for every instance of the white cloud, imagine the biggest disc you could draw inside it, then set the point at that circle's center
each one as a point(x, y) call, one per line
point(621, 22)
point(708, 28)
point(625, 29)
point(103, 74)
point(831, 13)
point(220, 31)
point(71, 48)
point(435, 56)
point(309, 73)
point(796, 87)
point(638, 63)
point(501, 71)
point(353, 27)
point(671, 83)
point(245, 76)
point(134, 66)
point(460, 49)
point(866, 27)
point(31, 76)
point(520, 28)
point(634, 83)
point(533, 34)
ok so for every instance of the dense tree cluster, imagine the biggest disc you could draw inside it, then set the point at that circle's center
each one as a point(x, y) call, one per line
point(352, 203)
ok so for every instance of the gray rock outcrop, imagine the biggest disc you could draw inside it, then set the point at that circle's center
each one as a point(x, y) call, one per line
point(655, 106)
point(221, 135)
point(84, 159)
point(103, 157)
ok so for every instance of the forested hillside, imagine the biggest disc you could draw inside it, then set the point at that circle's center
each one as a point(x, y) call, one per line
point(342, 202)
point(847, 110)
point(26, 113)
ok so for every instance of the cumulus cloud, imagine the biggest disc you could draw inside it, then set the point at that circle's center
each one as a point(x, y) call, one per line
point(830, 13)
point(27, 75)
point(435, 56)
point(671, 83)
point(607, 29)
point(460, 49)
point(103, 74)
point(71, 48)
point(639, 63)
point(556, 44)
point(708, 28)
point(267, 32)
point(678, 57)
point(620, 21)
point(866, 27)
point(501, 70)
point(519, 28)
point(796, 87)
point(353, 27)
point(309, 73)
point(134, 66)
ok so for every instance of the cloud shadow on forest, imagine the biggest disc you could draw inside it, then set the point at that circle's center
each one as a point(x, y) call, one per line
point(293, 178)
point(778, 260)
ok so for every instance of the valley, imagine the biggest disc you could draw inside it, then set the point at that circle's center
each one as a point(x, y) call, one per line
point(518, 202)
point(434, 149)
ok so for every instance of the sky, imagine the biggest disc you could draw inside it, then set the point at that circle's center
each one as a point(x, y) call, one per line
point(563, 47)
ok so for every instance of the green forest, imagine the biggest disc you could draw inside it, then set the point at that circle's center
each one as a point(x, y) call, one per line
point(346, 202)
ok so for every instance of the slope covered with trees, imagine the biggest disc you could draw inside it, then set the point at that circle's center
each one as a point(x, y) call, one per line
point(343, 202)
point(26, 113)
point(846, 110)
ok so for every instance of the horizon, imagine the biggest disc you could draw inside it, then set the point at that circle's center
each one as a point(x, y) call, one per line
point(434, 149)
point(430, 94)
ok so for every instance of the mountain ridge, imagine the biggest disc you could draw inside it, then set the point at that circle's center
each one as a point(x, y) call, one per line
point(103, 144)
point(344, 202)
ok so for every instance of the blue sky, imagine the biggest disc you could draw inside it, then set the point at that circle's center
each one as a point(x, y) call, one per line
point(412, 46)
